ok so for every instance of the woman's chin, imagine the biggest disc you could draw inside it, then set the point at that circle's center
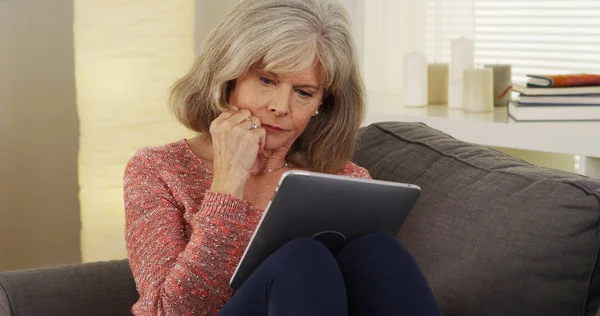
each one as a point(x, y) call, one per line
point(274, 144)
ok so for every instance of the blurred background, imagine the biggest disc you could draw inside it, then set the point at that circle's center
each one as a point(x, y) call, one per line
point(83, 85)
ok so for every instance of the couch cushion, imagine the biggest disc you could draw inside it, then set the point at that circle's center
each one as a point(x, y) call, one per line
point(493, 234)
point(100, 288)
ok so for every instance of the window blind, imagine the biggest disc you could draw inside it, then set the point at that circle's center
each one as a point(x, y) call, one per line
point(534, 36)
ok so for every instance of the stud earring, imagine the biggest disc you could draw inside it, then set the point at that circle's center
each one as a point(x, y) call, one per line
point(316, 113)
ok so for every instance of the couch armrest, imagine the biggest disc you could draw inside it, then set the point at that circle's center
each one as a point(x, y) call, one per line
point(99, 288)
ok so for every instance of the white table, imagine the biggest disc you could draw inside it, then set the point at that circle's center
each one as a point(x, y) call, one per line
point(496, 129)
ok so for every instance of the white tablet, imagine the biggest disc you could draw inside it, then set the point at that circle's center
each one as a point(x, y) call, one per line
point(332, 209)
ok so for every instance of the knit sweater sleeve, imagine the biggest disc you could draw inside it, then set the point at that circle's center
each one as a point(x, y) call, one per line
point(175, 276)
point(355, 171)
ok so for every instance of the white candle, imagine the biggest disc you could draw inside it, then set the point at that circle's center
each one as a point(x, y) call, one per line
point(462, 58)
point(478, 93)
point(502, 84)
point(437, 84)
point(415, 80)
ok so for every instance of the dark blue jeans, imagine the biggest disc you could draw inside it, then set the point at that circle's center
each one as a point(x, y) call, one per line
point(373, 275)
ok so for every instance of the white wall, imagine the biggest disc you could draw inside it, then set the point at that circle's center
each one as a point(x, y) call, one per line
point(387, 30)
point(127, 56)
point(208, 12)
point(356, 11)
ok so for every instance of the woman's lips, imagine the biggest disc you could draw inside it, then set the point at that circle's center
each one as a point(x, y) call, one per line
point(272, 129)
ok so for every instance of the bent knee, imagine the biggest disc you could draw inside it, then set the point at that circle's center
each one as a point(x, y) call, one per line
point(305, 247)
point(304, 253)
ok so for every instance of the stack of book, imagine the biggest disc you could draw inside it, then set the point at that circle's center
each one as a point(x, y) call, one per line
point(557, 98)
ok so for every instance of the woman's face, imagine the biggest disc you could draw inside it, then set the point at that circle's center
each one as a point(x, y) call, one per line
point(283, 103)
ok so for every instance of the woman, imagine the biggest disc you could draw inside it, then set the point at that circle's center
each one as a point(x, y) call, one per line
point(275, 88)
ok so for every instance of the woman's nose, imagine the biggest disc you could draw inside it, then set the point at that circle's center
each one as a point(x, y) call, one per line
point(280, 104)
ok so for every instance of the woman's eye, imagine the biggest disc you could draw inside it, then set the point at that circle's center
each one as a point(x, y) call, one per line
point(266, 80)
point(304, 94)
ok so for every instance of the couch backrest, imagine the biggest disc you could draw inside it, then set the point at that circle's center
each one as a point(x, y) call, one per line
point(493, 234)
point(100, 288)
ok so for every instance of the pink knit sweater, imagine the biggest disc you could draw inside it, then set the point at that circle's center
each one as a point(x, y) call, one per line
point(183, 240)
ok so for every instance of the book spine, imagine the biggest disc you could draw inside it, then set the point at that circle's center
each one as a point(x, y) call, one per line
point(574, 80)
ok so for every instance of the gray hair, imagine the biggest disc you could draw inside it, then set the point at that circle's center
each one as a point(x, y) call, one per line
point(283, 37)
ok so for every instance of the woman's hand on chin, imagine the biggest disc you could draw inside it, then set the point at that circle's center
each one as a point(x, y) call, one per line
point(235, 147)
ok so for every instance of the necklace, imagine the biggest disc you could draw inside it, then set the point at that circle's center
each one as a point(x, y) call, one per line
point(285, 165)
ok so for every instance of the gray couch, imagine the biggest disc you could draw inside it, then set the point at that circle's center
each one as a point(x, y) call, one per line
point(493, 234)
